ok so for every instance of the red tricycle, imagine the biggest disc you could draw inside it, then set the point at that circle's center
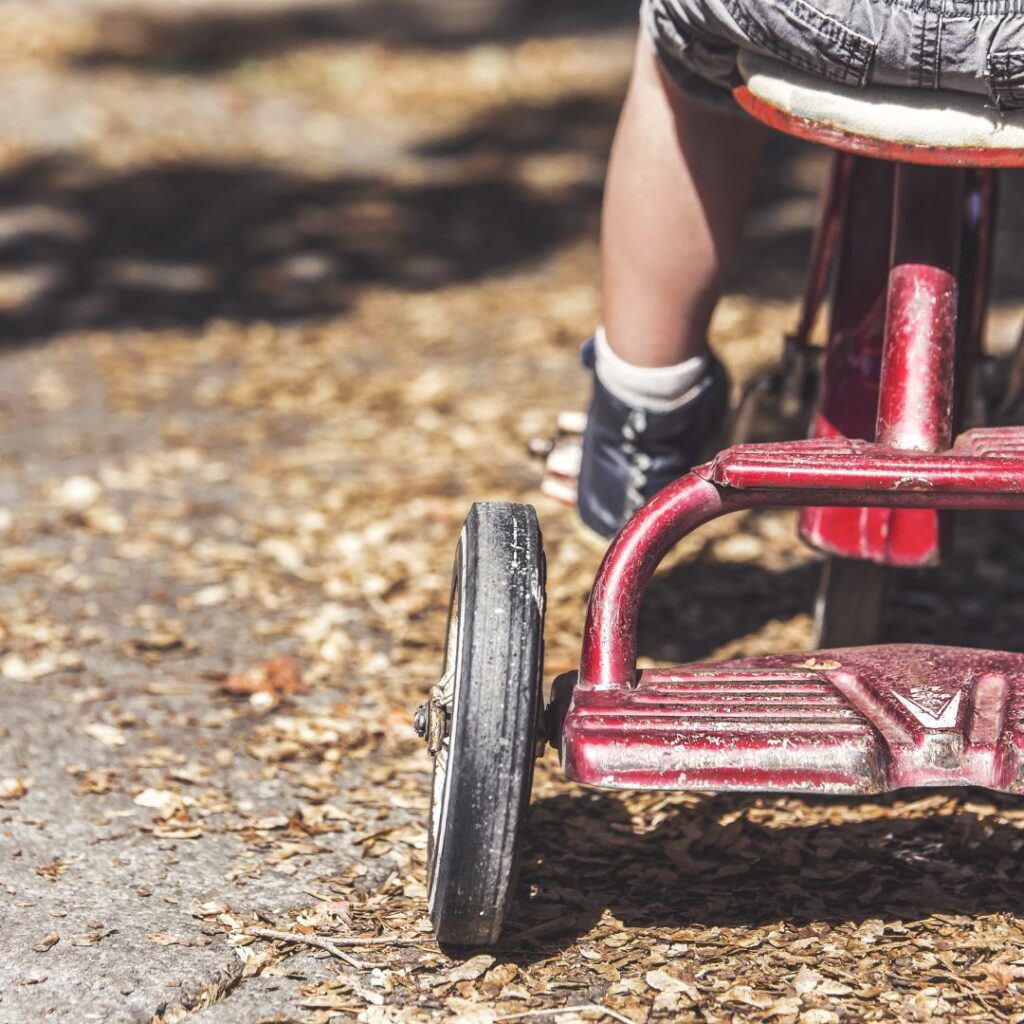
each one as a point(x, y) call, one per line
point(903, 254)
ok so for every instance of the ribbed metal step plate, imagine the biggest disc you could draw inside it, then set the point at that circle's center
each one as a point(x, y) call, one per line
point(860, 720)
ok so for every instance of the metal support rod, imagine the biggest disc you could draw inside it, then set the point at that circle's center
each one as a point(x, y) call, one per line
point(915, 404)
point(825, 244)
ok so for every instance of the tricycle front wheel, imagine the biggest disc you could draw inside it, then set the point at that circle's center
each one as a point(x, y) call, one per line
point(481, 723)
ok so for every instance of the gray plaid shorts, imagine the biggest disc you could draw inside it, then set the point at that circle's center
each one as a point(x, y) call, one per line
point(974, 46)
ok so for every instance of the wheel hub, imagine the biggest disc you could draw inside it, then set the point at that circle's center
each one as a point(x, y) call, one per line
point(431, 719)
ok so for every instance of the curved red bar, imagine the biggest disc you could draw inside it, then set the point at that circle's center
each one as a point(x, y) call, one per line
point(609, 645)
point(984, 469)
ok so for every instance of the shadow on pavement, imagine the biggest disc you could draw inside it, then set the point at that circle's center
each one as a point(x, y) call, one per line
point(173, 245)
point(215, 40)
point(583, 856)
point(176, 245)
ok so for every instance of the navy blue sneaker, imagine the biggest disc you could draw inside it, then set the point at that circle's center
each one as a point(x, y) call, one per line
point(631, 454)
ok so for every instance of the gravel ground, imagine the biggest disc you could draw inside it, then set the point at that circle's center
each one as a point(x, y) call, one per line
point(282, 290)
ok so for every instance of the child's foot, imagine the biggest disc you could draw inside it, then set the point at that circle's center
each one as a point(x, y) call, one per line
point(630, 453)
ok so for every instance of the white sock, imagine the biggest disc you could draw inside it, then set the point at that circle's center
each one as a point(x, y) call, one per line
point(654, 388)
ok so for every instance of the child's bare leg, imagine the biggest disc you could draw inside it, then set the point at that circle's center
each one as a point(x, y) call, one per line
point(677, 189)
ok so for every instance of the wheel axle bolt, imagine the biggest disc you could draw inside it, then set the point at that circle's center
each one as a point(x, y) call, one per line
point(420, 720)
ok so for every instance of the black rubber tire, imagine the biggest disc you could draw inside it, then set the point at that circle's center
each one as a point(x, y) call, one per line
point(479, 802)
point(853, 598)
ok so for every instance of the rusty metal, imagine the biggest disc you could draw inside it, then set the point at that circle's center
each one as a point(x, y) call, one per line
point(431, 720)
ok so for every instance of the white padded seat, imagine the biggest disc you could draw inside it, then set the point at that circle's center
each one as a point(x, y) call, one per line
point(934, 120)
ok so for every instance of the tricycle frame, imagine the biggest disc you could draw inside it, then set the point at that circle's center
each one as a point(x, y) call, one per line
point(907, 247)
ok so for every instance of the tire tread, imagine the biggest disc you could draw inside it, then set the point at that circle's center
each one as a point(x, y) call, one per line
point(501, 612)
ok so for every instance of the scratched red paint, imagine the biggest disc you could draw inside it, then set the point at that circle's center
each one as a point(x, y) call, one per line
point(859, 720)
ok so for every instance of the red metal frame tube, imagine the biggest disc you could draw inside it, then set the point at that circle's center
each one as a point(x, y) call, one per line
point(826, 242)
point(609, 640)
point(848, 390)
point(848, 400)
point(974, 278)
point(915, 402)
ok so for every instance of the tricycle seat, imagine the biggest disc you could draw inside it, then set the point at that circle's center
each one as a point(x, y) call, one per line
point(907, 125)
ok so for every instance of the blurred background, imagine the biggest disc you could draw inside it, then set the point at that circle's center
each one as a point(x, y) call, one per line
point(173, 162)
point(284, 286)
